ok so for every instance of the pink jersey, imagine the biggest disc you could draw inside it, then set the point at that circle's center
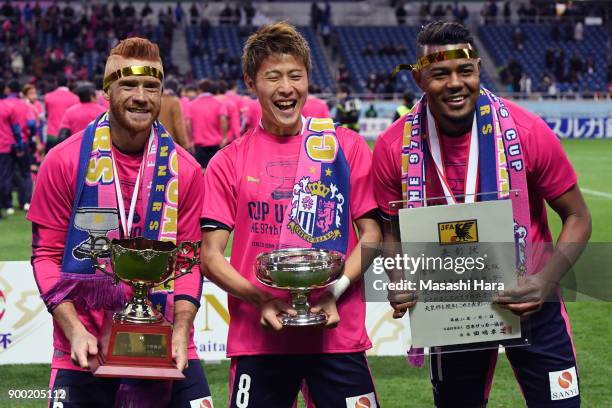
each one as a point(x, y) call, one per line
point(8, 118)
point(185, 102)
point(315, 108)
point(248, 185)
point(23, 114)
point(237, 99)
point(37, 107)
point(206, 112)
point(252, 113)
point(56, 103)
point(233, 115)
point(77, 117)
point(50, 213)
point(549, 172)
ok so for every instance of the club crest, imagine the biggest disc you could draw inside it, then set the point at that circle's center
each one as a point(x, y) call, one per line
point(315, 211)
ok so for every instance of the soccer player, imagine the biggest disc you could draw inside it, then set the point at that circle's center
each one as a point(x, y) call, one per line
point(232, 109)
point(298, 182)
point(171, 114)
point(530, 158)
point(56, 103)
point(77, 117)
point(22, 153)
point(109, 169)
point(11, 147)
point(209, 123)
point(315, 107)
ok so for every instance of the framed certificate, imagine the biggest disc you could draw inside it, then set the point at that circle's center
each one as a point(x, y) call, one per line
point(448, 311)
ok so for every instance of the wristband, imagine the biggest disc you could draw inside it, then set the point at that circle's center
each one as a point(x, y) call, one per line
point(340, 286)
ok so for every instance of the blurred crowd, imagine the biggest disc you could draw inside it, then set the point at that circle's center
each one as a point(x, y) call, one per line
point(73, 40)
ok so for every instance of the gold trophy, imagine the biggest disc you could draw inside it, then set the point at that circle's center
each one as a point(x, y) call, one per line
point(138, 343)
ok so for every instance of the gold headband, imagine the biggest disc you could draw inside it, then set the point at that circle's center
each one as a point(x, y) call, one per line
point(138, 70)
point(439, 56)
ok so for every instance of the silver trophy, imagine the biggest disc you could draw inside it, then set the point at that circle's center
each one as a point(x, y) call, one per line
point(299, 271)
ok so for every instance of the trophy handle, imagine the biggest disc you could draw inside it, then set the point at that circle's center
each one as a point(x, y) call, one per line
point(95, 254)
point(184, 248)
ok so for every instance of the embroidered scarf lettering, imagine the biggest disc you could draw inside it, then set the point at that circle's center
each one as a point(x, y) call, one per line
point(95, 213)
point(501, 168)
point(318, 216)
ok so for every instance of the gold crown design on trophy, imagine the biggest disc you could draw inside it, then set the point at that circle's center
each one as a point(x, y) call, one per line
point(319, 189)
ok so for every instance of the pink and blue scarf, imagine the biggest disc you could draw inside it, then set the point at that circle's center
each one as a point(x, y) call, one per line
point(94, 213)
point(318, 216)
point(501, 168)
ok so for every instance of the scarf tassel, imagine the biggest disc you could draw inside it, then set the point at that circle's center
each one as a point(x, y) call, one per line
point(88, 293)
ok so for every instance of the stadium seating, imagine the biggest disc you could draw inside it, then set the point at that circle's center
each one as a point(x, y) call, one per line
point(229, 38)
point(353, 41)
point(498, 40)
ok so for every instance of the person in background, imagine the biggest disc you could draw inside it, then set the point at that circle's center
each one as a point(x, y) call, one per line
point(56, 103)
point(371, 112)
point(239, 101)
point(23, 153)
point(209, 123)
point(30, 97)
point(77, 117)
point(404, 108)
point(171, 113)
point(233, 111)
point(11, 145)
point(315, 107)
point(348, 109)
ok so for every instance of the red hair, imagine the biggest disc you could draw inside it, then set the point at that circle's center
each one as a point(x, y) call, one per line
point(137, 48)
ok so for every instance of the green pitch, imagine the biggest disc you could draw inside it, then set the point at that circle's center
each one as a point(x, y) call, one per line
point(398, 384)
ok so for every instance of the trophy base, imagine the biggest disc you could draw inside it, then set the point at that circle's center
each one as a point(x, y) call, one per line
point(136, 351)
point(148, 373)
point(311, 319)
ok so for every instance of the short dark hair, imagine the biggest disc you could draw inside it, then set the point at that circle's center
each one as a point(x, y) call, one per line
point(85, 92)
point(14, 86)
point(190, 88)
point(444, 33)
point(171, 83)
point(61, 80)
point(222, 86)
point(207, 85)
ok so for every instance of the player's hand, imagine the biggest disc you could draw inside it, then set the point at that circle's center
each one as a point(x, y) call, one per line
point(401, 302)
point(271, 311)
point(528, 296)
point(327, 305)
point(82, 345)
point(179, 350)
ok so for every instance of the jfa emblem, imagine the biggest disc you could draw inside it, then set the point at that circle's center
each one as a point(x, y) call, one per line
point(316, 209)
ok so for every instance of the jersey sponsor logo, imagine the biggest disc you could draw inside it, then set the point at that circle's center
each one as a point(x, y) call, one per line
point(206, 402)
point(458, 232)
point(362, 401)
point(563, 384)
point(316, 209)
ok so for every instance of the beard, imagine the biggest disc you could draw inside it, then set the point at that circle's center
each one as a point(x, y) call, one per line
point(119, 114)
